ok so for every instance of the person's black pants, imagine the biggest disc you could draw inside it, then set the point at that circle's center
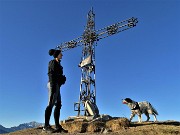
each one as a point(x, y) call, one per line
point(54, 100)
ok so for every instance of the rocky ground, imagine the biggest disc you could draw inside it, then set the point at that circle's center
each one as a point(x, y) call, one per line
point(114, 126)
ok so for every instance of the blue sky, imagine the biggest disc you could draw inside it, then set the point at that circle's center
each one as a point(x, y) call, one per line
point(141, 63)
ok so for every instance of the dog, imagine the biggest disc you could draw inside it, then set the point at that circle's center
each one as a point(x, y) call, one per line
point(139, 108)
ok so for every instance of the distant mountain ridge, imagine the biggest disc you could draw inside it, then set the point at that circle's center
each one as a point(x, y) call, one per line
point(32, 124)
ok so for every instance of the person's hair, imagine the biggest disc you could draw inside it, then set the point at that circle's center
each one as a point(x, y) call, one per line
point(54, 53)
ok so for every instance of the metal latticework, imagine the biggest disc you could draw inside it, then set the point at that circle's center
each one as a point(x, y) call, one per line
point(88, 85)
point(89, 40)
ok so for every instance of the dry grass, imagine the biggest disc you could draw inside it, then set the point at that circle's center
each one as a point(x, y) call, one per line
point(96, 126)
point(116, 126)
point(75, 126)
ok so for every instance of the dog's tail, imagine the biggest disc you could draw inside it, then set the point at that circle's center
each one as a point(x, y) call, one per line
point(153, 109)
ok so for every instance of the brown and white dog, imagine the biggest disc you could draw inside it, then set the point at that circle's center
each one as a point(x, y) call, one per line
point(139, 108)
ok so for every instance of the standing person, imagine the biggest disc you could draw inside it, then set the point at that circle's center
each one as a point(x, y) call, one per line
point(56, 79)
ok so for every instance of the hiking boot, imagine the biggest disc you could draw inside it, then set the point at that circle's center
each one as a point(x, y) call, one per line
point(47, 129)
point(60, 130)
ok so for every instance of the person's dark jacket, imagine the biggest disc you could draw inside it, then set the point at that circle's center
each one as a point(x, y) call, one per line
point(55, 73)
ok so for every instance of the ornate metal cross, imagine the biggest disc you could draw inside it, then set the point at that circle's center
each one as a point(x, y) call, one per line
point(88, 41)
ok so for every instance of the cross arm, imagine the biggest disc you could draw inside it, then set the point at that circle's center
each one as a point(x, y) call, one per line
point(91, 36)
point(116, 28)
point(70, 44)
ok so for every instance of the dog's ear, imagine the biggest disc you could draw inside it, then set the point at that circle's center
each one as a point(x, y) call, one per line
point(128, 100)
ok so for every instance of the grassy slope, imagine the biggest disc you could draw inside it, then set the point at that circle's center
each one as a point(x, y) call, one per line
point(145, 128)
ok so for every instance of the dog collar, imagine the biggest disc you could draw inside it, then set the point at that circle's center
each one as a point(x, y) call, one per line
point(136, 107)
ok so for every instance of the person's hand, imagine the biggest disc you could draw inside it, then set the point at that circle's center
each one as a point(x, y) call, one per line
point(63, 79)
